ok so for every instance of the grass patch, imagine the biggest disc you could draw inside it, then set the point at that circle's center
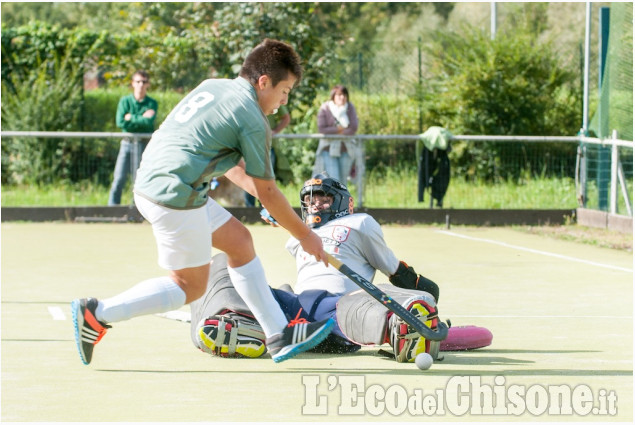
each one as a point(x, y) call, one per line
point(393, 190)
point(60, 195)
point(396, 190)
point(582, 234)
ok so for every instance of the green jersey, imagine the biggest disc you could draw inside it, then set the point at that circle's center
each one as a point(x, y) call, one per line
point(137, 123)
point(205, 135)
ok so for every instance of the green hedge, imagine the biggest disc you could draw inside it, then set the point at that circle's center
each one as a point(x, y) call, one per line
point(100, 107)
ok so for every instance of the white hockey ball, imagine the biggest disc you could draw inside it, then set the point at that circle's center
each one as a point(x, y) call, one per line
point(424, 361)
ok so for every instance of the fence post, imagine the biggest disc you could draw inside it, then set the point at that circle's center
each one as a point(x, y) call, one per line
point(614, 162)
point(581, 174)
point(360, 163)
point(622, 180)
point(603, 177)
point(136, 157)
point(605, 165)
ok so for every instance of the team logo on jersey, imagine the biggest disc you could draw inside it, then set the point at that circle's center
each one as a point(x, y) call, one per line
point(340, 233)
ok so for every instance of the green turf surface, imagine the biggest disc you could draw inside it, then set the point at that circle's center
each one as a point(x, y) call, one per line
point(561, 314)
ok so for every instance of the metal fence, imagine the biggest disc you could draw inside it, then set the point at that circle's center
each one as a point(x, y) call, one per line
point(603, 169)
point(593, 171)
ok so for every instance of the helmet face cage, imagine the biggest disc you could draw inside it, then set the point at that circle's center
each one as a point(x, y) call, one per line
point(341, 206)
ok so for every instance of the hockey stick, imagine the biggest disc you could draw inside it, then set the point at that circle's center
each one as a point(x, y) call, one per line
point(439, 335)
point(442, 330)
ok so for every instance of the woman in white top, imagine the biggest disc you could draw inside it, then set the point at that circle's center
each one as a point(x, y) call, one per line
point(337, 116)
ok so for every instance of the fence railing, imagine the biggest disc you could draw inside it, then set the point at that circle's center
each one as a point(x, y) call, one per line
point(583, 162)
point(616, 169)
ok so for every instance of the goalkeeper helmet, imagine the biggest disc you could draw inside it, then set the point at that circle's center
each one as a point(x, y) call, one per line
point(322, 184)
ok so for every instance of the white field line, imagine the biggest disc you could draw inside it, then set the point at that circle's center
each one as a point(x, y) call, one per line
point(57, 313)
point(536, 316)
point(184, 316)
point(535, 251)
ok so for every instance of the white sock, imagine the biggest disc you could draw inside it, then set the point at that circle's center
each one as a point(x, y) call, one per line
point(151, 296)
point(251, 284)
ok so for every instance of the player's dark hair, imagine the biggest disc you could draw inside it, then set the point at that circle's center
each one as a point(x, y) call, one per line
point(142, 73)
point(273, 58)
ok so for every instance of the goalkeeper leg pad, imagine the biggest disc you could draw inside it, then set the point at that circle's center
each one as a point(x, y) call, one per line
point(365, 321)
point(406, 342)
point(219, 298)
point(361, 318)
point(231, 335)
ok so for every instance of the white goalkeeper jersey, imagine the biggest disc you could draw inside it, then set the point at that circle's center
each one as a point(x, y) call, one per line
point(357, 241)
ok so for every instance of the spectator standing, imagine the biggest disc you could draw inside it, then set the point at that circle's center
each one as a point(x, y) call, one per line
point(136, 113)
point(337, 116)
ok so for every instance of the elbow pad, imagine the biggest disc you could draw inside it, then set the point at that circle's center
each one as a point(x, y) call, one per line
point(406, 277)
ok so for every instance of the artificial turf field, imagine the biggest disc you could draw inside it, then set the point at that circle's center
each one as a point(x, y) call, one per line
point(561, 314)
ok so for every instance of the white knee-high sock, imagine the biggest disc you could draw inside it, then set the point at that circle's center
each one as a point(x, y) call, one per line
point(151, 296)
point(251, 284)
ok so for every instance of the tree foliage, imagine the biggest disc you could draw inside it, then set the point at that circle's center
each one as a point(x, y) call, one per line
point(511, 85)
point(243, 25)
point(48, 100)
point(179, 44)
point(515, 84)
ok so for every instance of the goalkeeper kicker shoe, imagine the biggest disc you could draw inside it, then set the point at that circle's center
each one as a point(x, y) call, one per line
point(298, 337)
point(88, 330)
point(231, 335)
point(408, 343)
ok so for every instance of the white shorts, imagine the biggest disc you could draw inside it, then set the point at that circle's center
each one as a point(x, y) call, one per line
point(184, 237)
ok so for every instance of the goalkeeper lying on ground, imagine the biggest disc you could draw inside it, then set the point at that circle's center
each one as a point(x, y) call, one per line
point(221, 323)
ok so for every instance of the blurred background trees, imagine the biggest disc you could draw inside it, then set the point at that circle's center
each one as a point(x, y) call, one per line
point(408, 65)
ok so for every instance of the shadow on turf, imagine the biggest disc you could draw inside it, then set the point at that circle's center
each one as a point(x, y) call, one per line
point(384, 371)
point(445, 367)
point(482, 357)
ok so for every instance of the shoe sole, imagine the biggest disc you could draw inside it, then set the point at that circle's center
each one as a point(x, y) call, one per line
point(75, 307)
point(308, 344)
